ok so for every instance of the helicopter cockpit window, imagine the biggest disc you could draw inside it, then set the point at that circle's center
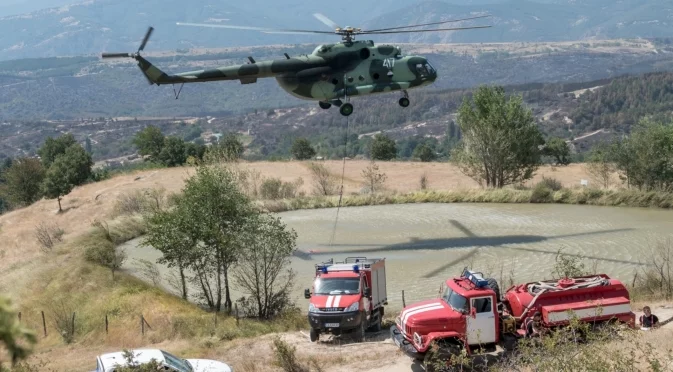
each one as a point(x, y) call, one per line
point(421, 68)
point(319, 49)
point(425, 69)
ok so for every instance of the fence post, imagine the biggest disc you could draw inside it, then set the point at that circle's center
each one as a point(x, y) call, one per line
point(19, 317)
point(73, 324)
point(106, 324)
point(236, 310)
point(142, 324)
point(44, 324)
point(404, 304)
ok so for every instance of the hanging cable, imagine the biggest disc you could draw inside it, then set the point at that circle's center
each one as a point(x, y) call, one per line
point(341, 188)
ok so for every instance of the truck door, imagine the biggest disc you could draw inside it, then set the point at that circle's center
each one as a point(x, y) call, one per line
point(481, 327)
point(366, 303)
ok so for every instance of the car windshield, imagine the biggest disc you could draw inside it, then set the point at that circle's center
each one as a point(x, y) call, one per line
point(177, 363)
point(456, 301)
point(332, 286)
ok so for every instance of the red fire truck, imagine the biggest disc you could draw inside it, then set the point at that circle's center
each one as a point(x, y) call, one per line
point(470, 313)
point(347, 297)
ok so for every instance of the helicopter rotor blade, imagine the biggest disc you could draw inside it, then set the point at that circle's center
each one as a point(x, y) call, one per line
point(409, 31)
point(326, 21)
point(262, 29)
point(428, 24)
point(146, 39)
point(116, 55)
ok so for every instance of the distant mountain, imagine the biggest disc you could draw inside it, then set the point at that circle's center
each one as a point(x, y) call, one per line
point(118, 25)
point(550, 20)
point(95, 26)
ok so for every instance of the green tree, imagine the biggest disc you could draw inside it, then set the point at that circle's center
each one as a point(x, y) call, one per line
point(195, 150)
point(425, 153)
point(263, 271)
point(168, 233)
point(302, 150)
point(218, 211)
point(645, 159)
point(230, 148)
point(149, 141)
point(600, 164)
point(23, 181)
point(173, 152)
point(68, 170)
point(87, 146)
point(55, 147)
point(500, 139)
point(383, 148)
point(16, 339)
point(557, 149)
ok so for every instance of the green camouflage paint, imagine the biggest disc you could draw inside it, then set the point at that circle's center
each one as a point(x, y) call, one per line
point(330, 72)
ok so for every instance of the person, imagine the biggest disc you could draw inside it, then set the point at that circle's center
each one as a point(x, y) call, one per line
point(648, 320)
point(534, 325)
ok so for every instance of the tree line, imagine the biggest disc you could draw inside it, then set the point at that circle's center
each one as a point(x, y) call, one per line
point(61, 165)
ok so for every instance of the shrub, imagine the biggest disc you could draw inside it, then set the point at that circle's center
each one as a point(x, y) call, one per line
point(48, 235)
point(286, 358)
point(424, 182)
point(141, 201)
point(551, 183)
point(324, 182)
point(274, 188)
point(541, 194)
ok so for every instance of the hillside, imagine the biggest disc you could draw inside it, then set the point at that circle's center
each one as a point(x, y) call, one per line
point(67, 88)
point(572, 110)
point(95, 26)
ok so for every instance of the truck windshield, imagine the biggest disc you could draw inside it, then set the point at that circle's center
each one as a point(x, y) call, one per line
point(331, 286)
point(456, 301)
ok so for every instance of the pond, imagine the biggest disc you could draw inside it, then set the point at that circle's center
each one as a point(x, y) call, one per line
point(423, 244)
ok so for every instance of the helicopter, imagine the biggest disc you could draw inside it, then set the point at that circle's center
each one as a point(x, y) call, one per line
point(331, 74)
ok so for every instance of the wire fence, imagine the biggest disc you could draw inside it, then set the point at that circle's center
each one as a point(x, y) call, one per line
point(65, 324)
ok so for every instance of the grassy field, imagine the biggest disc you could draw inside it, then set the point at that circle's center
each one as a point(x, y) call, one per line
point(60, 282)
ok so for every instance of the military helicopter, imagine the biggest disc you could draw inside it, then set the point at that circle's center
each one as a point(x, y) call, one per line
point(331, 74)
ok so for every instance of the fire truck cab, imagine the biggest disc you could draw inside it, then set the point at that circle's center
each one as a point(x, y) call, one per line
point(347, 297)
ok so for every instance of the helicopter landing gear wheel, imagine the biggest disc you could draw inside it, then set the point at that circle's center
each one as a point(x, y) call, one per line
point(346, 109)
point(404, 102)
point(324, 105)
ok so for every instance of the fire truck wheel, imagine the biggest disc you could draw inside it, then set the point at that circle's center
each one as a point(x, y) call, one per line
point(313, 334)
point(377, 326)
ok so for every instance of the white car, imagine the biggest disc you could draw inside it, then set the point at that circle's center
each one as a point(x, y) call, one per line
point(169, 362)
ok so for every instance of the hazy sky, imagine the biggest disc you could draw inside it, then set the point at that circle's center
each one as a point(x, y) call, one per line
point(11, 7)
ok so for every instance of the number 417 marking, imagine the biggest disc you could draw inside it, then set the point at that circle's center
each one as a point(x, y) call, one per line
point(389, 62)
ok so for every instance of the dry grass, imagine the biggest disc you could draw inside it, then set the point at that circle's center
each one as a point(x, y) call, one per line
point(37, 281)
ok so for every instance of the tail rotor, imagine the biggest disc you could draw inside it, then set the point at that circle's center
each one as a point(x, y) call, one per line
point(132, 55)
point(135, 55)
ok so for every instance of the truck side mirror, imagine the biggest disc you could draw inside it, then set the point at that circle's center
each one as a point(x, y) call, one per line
point(473, 312)
point(368, 292)
point(307, 293)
